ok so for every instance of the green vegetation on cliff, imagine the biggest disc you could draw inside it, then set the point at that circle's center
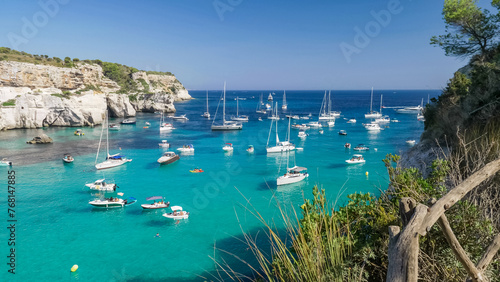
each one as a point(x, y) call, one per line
point(121, 74)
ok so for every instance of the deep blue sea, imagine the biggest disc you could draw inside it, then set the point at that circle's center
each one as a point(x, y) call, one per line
point(57, 228)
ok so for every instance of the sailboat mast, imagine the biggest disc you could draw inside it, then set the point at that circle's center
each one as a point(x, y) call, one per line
point(329, 102)
point(381, 103)
point(99, 147)
point(207, 101)
point(277, 138)
point(237, 100)
point(288, 151)
point(224, 105)
point(107, 135)
point(371, 101)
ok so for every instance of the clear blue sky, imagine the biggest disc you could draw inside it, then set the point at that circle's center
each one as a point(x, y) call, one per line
point(254, 44)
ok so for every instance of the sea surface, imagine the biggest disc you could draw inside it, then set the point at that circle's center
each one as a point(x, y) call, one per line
point(56, 228)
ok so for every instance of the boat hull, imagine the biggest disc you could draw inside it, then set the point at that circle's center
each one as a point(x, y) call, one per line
point(169, 160)
point(153, 206)
point(226, 127)
point(289, 179)
point(279, 149)
point(111, 163)
point(355, 162)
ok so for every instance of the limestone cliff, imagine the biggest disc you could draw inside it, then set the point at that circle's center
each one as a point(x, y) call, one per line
point(34, 95)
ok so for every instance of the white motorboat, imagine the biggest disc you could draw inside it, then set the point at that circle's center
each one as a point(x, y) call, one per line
point(361, 147)
point(347, 145)
point(356, 159)
point(129, 121)
point(280, 146)
point(207, 113)
point(226, 125)
point(239, 117)
point(352, 120)
point(305, 117)
point(371, 113)
point(410, 142)
point(394, 120)
point(302, 134)
point(186, 149)
point(410, 110)
point(320, 131)
point(259, 119)
point(285, 105)
point(372, 126)
point(293, 175)
point(181, 117)
point(5, 162)
point(161, 204)
point(78, 132)
point(250, 149)
point(270, 97)
point(164, 144)
point(228, 147)
point(342, 132)
point(331, 123)
point(111, 160)
point(301, 126)
point(68, 158)
point(102, 185)
point(315, 124)
point(177, 213)
point(112, 202)
point(114, 127)
point(168, 158)
point(381, 120)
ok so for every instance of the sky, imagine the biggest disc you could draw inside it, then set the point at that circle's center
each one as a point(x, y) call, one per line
point(250, 44)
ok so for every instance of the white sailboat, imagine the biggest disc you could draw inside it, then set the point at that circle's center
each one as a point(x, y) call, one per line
point(293, 174)
point(239, 117)
point(325, 112)
point(165, 126)
point(111, 160)
point(372, 114)
point(274, 113)
point(260, 110)
point(207, 113)
point(280, 146)
point(226, 125)
point(382, 119)
point(285, 105)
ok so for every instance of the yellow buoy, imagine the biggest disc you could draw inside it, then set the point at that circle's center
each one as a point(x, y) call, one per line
point(74, 268)
point(366, 173)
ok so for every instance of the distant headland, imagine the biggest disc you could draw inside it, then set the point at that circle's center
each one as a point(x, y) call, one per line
point(39, 91)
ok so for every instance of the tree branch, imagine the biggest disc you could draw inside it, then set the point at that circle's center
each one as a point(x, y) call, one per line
point(489, 254)
point(456, 194)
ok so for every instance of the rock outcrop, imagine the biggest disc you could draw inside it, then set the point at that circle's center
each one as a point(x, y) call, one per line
point(42, 139)
point(34, 96)
point(158, 83)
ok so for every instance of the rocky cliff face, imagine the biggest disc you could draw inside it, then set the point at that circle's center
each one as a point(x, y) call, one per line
point(157, 83)
point(34, 96)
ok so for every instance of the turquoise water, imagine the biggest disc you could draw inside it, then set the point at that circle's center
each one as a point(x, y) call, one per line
point(57, 228)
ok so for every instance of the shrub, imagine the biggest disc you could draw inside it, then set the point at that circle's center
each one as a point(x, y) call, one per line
point(10, 102)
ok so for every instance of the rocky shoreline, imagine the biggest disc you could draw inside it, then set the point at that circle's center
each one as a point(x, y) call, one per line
point(35, 96)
